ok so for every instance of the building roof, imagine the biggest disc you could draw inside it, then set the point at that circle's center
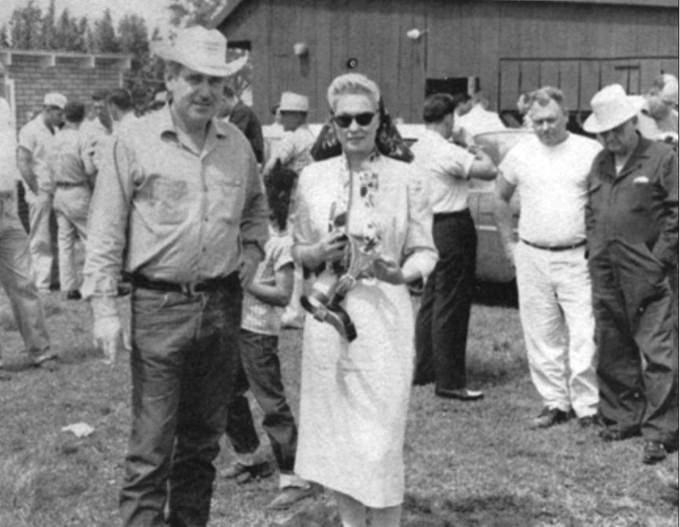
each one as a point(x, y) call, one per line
point(223, 14)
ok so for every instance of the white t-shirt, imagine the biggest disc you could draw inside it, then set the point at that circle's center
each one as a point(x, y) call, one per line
point(552, 185)
point(446, 167)
point(35, 136)
point(8, 147)
point(257, 316)
point(476, 121)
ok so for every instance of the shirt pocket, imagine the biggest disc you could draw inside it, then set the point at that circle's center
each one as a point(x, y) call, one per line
point(641, 194)
point(167, 198)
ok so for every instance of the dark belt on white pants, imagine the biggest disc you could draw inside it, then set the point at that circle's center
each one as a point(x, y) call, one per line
point(554, 247)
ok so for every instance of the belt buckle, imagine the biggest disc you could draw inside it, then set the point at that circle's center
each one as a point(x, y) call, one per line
point(188, 288)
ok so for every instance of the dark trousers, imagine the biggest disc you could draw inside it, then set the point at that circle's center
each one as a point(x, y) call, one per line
point(260, 372)
point(184, 353)
point(442, 321)
point(638, 360)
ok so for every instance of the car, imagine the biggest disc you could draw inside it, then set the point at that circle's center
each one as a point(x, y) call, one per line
point(492, 264)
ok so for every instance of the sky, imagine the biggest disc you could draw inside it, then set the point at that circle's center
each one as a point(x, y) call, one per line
point(153, 11)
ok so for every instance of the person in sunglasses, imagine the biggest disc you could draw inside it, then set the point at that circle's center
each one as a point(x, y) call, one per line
point(354, 395)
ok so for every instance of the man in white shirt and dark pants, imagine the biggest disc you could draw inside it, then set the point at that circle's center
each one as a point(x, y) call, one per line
point(550, 170)
point(442, 322)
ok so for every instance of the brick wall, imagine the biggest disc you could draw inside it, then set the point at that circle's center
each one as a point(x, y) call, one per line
point(70, 76)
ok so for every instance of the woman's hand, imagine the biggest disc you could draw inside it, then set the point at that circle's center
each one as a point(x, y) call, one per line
point(387, 270)
point(331, 247)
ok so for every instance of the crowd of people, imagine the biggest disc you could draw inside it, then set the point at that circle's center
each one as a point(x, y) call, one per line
point(221, 242)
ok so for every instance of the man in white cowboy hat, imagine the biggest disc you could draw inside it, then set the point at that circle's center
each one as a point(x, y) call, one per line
point(293, 151)
point(180, 210)
point(34, 137)
point(632, 229)
point(550, 170)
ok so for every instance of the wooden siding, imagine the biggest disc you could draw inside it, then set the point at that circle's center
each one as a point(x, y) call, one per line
point(518, 44)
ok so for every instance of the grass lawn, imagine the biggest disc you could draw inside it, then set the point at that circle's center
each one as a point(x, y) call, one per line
point(468, 464)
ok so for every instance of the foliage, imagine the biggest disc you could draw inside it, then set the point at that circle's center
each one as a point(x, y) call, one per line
point(192, 12)
point(105, 39)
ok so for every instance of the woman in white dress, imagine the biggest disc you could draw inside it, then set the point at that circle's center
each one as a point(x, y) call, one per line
point(354, 395)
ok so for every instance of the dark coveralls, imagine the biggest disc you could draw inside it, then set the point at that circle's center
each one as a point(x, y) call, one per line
point(632, 230)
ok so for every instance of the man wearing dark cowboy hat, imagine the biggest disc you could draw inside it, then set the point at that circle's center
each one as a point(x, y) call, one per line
point(632, 231)
point(180, 209)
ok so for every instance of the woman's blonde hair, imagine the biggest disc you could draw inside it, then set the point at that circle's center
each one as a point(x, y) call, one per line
point(352, 84)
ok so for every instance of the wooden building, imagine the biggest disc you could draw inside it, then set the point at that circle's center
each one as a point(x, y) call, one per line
point(412, 47)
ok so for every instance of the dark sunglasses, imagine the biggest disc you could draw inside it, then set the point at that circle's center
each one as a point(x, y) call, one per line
point(343, 120)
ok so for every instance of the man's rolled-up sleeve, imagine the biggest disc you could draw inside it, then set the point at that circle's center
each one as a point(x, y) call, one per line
point(420, 252)
point(255, 216)
point(108, 220)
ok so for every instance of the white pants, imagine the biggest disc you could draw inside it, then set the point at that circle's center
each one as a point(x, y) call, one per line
point(71, 206)
point(40, 239)
point(15, 277)
point(559, 326)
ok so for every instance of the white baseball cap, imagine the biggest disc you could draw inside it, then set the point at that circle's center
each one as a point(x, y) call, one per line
point(55, 99)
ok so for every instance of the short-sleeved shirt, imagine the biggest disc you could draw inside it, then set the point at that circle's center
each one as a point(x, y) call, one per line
point(258, 316)
point(35, 136)
point(8, 146)
point(552, 185)
point(446, 167)
point(295, 149)
point(66, 152)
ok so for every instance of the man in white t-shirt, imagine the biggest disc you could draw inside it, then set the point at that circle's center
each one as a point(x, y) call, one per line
point(550, 170)
point(34, 138)
point(15, 261)
point(442, 322)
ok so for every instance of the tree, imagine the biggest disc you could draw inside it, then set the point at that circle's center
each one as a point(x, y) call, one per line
point(26, 27)
point(49, 38)
point(185, 13)
point(105, 39)
point(133, 37)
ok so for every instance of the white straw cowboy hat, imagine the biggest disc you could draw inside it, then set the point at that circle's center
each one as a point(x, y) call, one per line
point(611, 107)
point(202, 50)
point(293, 102)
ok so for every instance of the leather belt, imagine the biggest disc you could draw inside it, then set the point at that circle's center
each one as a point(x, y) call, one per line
point(189, 288)
point(7, 194)
point(454, 214)
point(554, 247)
point(69, 184)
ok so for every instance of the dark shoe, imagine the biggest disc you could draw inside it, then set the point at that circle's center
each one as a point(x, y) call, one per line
point(590, 420)
point(290, 495)
point(653, 452)
point(611, 433)
point(549, 417)
point(245, 473)
point(73, 295)
point(4, 374)
point(47, 360)
point(462, 394)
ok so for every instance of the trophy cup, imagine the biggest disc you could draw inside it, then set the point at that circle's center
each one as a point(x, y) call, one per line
point(337, 278)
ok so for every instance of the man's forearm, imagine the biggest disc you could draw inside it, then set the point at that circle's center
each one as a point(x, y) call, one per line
point(503, 217)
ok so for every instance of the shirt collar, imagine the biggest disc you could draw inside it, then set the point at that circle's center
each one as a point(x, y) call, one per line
point(166, 125)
